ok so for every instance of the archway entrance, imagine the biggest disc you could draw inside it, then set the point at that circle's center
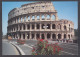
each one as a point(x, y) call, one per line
point(32, 36)
point(42, 36)
point(53, 36)
point(59, 36)
point(48, 36)
point(37, 35)
point(27, 36)
point(64, 36)
point(23, 36)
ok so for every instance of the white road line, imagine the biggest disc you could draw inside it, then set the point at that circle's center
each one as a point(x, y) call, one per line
point(28, 46)
point(22, 53)
point(69, 48)
point(68, 53)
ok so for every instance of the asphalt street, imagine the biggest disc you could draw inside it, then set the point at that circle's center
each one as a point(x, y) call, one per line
point(68, 49)
point(8, 49)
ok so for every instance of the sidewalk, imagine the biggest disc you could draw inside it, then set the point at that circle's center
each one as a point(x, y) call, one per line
point(26, 49)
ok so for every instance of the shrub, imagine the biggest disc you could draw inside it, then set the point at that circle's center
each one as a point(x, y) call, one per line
point(44, 48)
point(20, 41)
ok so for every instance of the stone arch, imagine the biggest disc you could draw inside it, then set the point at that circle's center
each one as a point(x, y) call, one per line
point(48, 16)
point(53, 26)
point(64, 36)
point(21, 19)
point(38, 26)
point(28, 26)
point(48, 26)
point(33, 17)
point(32, 26)
point(53, 17)
point(59, 36)
point(43, 26)
point(65, 27)
point(23, 27)
point(48, 36)
point(54, 36)
point(43, 17)
point(28, 18)
point(59, 26)
point(69, 36)
point(24, 18)
point(37, 36)
point(32, 36)
point(20, 36)
point(28, 36)
point(23, 36)
point(38, 17)
point(43, 37)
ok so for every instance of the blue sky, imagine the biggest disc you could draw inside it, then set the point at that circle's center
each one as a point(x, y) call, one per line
point(66, 10)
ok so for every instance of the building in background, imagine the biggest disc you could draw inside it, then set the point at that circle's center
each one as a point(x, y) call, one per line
point(38, 20)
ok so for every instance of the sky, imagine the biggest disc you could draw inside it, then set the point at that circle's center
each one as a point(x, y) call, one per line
point(66, 10)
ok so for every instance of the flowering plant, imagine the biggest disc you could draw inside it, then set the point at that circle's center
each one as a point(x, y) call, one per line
point(20, 41)
point(44, 48)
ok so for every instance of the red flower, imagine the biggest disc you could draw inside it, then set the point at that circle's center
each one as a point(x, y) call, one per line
point(54, 50)
point(46, 41)
point(56, 43)
point(33, 50)
point(36, 54)
point(41, 40)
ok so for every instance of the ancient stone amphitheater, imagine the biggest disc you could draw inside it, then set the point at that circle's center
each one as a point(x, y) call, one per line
point(38, 20)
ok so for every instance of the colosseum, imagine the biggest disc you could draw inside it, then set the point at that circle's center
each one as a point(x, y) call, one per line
point(38, 20)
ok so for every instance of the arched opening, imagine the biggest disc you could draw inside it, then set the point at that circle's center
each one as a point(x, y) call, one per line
point(48, 16)
point(48, 36)
point(64, 36)
point(32, 26)
point(59, 36)
point(28, 18)
point(42, 36)
point(48, 26)
point(32, 36)
point(20, 28)
point(33, 18)
point(53, 26)
point(42, 26)
point(64, 27)
point(24, 19)
point(27, 36)
point(38, 17)
point(38, 36)
point(53, 17)
point(59, 26)
point(23, 36)
point(23, 27)
point(69, 36)
point(43, 17)
point(21, 19)
point(54, 36)
point(38, 26)
point(20, 36)
point(28, 26)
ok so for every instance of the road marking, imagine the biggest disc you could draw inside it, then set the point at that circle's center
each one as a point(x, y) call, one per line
point(68, 53)
point(69, 48)
point(22, 53)
point(17, 53)
point(28, 46)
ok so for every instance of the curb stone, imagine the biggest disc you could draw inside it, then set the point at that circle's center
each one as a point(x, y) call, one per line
point(19, 49)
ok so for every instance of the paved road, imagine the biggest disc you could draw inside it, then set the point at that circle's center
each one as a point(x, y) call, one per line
point(68, 49)
point(8, 49)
